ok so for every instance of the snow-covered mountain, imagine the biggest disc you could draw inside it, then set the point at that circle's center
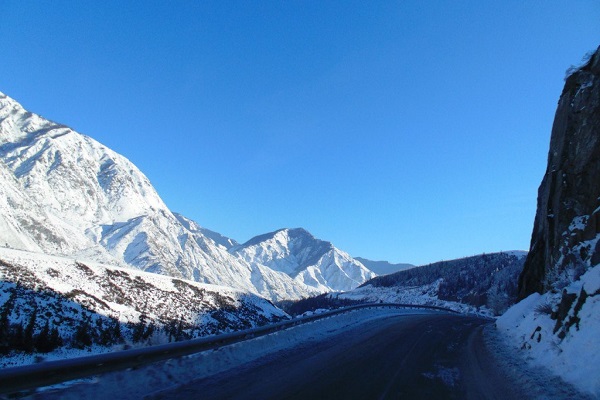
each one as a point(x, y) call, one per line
point(220, 240)
point(312, 262)
point(63, 193)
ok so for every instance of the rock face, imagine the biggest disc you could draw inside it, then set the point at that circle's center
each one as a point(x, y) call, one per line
point(564, 242)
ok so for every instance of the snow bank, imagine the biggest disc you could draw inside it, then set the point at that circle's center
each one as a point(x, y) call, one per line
point(530, 326)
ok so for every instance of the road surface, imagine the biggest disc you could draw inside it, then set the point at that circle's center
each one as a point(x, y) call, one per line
point(433, 356)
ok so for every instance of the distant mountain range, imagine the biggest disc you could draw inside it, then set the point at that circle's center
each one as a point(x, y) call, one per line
point(383, 267)
point(65, 194)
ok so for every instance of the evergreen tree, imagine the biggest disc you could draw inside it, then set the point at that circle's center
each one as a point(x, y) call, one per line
point(42, 340)
point(82, 337)
point(139, 330)
point(16, 337)
point(104, 333)
point(55, 339)
point(116, 332)
point(5, 331)
point(28, 342)
point(110, 333)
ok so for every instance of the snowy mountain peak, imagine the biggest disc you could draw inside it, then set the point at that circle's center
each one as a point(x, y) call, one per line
point(63, 193)
point(309, 260)
point(13, 114)
point(289, 240)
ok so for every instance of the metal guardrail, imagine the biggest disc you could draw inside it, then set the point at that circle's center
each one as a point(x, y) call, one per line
point(49, 373)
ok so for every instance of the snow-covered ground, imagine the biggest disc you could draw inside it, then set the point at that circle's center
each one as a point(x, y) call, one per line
point(530, 330)
point(175, 372)
point(163, 376)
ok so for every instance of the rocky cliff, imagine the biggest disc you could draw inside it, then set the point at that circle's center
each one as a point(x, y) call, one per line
point(564, 242)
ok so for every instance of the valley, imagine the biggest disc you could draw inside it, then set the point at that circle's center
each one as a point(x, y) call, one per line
point(93, 261)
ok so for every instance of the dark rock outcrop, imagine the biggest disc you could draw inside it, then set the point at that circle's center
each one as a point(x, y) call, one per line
point(567, 220)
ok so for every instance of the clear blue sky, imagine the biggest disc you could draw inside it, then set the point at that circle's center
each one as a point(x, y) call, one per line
point(408, 131)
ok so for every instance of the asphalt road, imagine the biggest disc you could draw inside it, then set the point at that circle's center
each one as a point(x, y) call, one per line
point(436, 356)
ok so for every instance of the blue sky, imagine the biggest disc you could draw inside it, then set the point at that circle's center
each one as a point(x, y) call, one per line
point(409, 131)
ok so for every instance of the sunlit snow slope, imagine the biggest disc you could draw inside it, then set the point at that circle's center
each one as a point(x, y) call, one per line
point(66, 293)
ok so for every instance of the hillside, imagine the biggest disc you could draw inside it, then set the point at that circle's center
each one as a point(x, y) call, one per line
point(486, 282)
point(87, 304)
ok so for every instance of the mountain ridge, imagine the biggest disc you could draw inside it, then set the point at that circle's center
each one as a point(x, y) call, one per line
point(383, 267)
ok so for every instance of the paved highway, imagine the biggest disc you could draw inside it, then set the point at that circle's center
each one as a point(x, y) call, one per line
point(431, 356)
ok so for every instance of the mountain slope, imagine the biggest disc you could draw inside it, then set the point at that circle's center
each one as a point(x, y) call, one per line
point(67, 295)
point(67, 194)
point(310, 261)
point(220, 240)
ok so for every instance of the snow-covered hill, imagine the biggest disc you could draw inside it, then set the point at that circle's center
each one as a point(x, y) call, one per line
point(63, 193)
point(89, 303)
point(311, 262)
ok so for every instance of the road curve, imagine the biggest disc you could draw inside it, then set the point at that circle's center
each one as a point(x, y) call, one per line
point(434, 356)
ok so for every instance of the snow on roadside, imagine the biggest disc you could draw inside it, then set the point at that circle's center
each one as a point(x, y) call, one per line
point(529, 328)
point(167, 375)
